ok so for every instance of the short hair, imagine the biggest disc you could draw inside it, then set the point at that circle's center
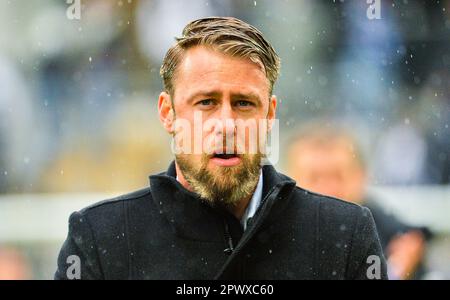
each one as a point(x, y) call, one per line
point(229, 36)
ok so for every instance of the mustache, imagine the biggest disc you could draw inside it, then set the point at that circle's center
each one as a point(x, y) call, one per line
point(223, 186)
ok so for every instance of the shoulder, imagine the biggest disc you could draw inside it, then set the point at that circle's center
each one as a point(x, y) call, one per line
point(117, 203)
point(111, 213)
point(100, 228)
point(329, 207)
point(333, 217)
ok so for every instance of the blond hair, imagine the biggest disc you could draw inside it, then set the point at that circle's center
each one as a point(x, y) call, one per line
point(228, 35)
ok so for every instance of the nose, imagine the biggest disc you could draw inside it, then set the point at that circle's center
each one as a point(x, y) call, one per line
point(226, 125)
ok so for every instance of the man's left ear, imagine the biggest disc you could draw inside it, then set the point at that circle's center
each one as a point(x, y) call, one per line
point(272, 111)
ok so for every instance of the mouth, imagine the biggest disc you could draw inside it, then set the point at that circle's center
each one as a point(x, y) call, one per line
point(226, 160)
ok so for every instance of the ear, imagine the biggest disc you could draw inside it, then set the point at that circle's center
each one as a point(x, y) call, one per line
point(272, 110)
point(166, 112)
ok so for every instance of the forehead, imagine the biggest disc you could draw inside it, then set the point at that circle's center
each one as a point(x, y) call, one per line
point(204, 68)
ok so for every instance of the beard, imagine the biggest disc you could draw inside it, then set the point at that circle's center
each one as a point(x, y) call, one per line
point(222, 186)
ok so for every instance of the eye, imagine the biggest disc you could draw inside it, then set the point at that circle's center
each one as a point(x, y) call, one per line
point(244, 103)
point(206, 102)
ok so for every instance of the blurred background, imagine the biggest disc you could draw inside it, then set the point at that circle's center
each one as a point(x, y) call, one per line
point(78, 118)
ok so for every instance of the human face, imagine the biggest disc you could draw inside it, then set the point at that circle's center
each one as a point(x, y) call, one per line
point(330, 169)
point(229, 94)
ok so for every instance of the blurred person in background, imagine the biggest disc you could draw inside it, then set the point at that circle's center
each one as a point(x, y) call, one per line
point(326, 159)
point(13, 264)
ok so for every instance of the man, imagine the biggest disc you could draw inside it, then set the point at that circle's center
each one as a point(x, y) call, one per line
point(217, 213)
point(326, 159)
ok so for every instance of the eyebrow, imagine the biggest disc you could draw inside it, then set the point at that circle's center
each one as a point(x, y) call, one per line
point(234, 96)
point(212, 94)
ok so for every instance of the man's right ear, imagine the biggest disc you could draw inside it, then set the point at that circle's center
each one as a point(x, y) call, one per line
point(166, 112)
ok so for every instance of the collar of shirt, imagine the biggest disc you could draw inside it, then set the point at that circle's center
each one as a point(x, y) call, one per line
point(254, 203)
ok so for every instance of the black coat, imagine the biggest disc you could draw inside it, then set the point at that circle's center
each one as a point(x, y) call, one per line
point(166, 232)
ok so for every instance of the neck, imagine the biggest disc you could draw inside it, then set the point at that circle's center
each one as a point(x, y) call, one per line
point(238, 210)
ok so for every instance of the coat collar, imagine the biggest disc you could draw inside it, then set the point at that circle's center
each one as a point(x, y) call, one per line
point(194, 219)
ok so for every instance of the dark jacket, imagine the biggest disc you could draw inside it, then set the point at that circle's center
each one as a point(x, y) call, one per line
point(166, 232)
